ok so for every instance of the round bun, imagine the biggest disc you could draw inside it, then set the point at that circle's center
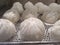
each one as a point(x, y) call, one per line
point(18, 7)
point(7, 29)
point(54, 33)
point(12, 15)
point(32, 29)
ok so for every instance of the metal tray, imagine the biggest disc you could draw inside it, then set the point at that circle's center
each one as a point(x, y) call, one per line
point(30, 43)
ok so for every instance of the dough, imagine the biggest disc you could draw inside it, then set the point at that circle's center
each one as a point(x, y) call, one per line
point(7, 29)
point(32, 29)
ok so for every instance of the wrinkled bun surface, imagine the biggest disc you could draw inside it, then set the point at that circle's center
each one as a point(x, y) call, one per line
point(32, 29)
point(7, 29)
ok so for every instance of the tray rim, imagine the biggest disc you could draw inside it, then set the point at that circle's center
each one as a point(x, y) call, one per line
point(32, 42)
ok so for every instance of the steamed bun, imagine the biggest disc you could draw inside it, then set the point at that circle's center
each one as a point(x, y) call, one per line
point(51, 17)
point(18, 7)
point(53, 6)
point(7, 29)
point(28, 5)
point(42, 8)
point(27, 16)
point(57, 23)
point(29, 13)
point(12, 15)
point(54, 33)
point(32, 29)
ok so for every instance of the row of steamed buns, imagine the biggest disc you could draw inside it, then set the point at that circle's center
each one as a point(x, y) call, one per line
point(31, 28)
point(49, 14)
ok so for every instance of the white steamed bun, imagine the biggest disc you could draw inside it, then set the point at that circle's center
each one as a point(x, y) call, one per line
point(32, 29)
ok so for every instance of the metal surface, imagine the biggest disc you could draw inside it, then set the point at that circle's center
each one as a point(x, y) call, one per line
point(31, 42)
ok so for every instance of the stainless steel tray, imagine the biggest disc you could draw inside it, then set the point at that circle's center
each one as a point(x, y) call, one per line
point(30, 42)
